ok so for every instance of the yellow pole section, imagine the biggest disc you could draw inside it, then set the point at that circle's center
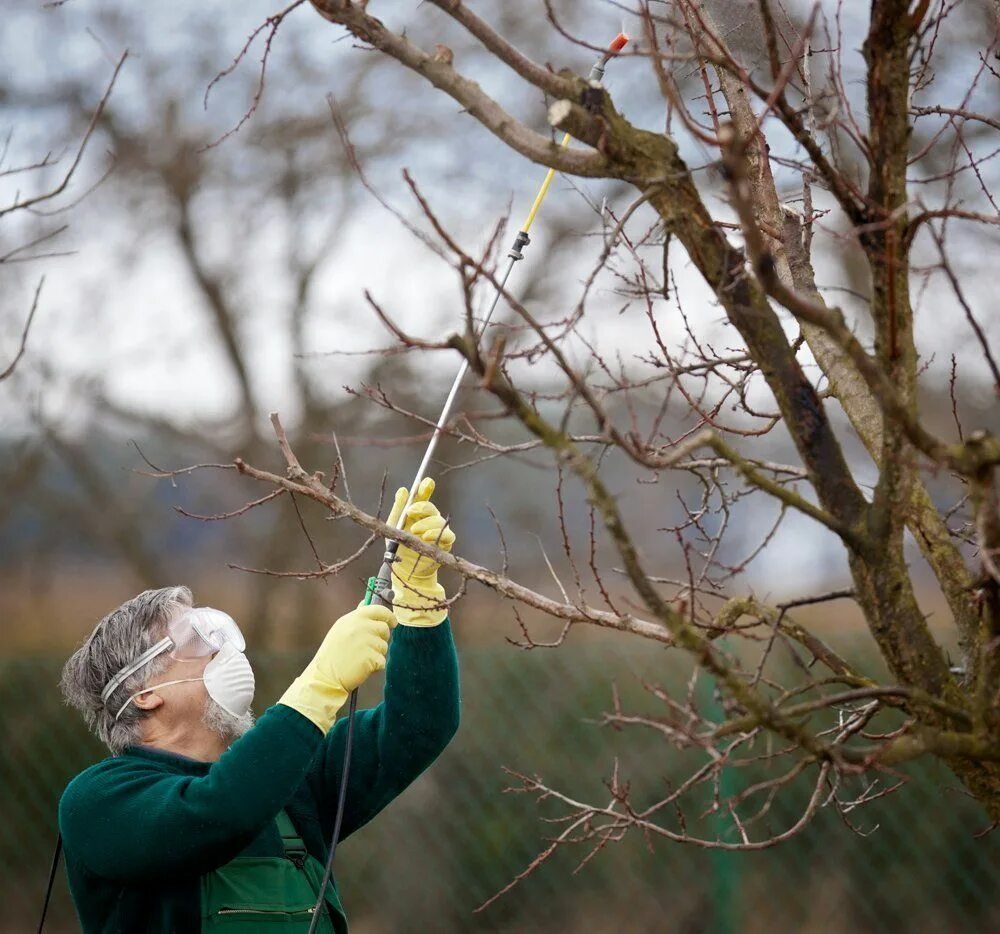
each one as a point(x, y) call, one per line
point(543, 191)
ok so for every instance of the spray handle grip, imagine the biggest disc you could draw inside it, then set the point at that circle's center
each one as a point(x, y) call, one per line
point(378, 591)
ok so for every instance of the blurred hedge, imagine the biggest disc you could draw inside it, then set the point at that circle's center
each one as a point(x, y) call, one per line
point(454, 839)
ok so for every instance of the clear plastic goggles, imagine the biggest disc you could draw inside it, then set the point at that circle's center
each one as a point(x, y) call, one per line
point(202, 631)
point(195, 633)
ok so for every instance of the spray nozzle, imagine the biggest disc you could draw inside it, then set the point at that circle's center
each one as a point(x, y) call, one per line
point(618, 43)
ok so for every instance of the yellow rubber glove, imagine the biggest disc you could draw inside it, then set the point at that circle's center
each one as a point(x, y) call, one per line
point(418, 595)
point(354, 648)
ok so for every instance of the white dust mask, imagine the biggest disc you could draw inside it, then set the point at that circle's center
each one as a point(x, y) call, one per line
point(228, 679)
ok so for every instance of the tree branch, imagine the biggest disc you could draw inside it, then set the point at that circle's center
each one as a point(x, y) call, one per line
point(470, 95)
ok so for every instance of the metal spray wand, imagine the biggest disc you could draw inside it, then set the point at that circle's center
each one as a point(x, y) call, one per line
point(379, 589)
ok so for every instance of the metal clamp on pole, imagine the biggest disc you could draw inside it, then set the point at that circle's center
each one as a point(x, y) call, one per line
point(520, 242)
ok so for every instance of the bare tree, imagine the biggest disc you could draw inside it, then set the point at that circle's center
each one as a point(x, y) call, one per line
point(794, 166)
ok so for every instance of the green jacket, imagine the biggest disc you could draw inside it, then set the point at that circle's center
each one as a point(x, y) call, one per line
point(140, 829)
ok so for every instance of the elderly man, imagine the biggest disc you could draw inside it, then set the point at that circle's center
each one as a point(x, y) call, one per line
point(203, 820)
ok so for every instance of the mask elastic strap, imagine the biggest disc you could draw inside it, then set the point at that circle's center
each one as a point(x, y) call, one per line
point(130, 670)
point(165, 684)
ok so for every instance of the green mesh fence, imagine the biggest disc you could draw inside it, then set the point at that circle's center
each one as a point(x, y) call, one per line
point(455, 838)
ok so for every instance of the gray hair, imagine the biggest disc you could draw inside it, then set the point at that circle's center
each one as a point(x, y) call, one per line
point(117, 640)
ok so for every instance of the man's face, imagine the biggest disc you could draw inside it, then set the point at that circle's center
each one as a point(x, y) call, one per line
point(183, 703)
point(188, 707)
point(179, 701)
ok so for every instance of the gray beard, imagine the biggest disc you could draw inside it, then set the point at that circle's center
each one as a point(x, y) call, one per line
point(224, 724)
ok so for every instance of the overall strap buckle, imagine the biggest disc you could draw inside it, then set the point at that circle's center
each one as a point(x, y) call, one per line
point(295, 849)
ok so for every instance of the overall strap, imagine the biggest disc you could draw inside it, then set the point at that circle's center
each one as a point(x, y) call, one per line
point(52, 878)
point(295, 849)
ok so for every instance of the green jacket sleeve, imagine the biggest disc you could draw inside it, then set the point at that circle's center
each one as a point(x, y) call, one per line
point(395, 741)
point(129, 822)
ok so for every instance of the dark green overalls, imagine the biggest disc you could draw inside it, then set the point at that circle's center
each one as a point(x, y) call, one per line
point(270, 893)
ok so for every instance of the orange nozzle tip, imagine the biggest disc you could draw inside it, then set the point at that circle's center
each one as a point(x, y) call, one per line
point(619, 43)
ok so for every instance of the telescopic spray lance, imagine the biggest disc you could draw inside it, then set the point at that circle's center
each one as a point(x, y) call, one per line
point(379, 589)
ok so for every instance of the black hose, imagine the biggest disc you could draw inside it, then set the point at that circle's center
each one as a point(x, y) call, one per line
point(380, 594)
point(339, 819)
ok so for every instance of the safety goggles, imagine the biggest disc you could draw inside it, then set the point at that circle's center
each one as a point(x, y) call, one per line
point(196, 633)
